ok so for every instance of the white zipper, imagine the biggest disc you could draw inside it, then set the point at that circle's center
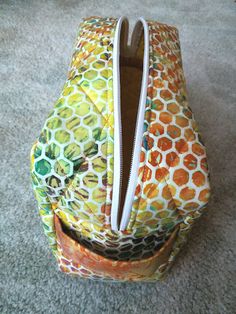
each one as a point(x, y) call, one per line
point(138, 137)
point(117, 175)
point(129, 197)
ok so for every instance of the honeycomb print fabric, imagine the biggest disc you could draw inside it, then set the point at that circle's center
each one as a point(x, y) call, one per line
point(72, 164)
point(173, 173)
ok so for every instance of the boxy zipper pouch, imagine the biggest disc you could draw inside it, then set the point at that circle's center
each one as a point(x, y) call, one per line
point(119, 170)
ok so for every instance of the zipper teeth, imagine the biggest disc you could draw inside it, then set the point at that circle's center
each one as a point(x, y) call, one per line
point(142, 101)
point(121, 156)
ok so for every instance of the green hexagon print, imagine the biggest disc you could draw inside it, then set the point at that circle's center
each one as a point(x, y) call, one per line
point(72, 159)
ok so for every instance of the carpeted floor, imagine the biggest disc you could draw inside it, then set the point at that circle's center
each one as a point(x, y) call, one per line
point(36, 39)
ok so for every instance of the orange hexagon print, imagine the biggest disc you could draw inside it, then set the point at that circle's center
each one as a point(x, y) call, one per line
point(173, 156)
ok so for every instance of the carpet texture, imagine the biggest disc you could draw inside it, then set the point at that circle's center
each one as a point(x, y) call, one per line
point(36, 40)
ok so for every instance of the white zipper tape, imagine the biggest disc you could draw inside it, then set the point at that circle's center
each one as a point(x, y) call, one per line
point(129, 198)
point(117, 171)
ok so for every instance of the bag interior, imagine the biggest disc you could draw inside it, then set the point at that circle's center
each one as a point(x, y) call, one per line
point(131, 71)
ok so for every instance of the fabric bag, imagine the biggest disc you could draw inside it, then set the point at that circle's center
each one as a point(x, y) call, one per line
point(119, 170)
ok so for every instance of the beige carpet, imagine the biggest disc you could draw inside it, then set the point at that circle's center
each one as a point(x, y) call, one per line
point(36, 39)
